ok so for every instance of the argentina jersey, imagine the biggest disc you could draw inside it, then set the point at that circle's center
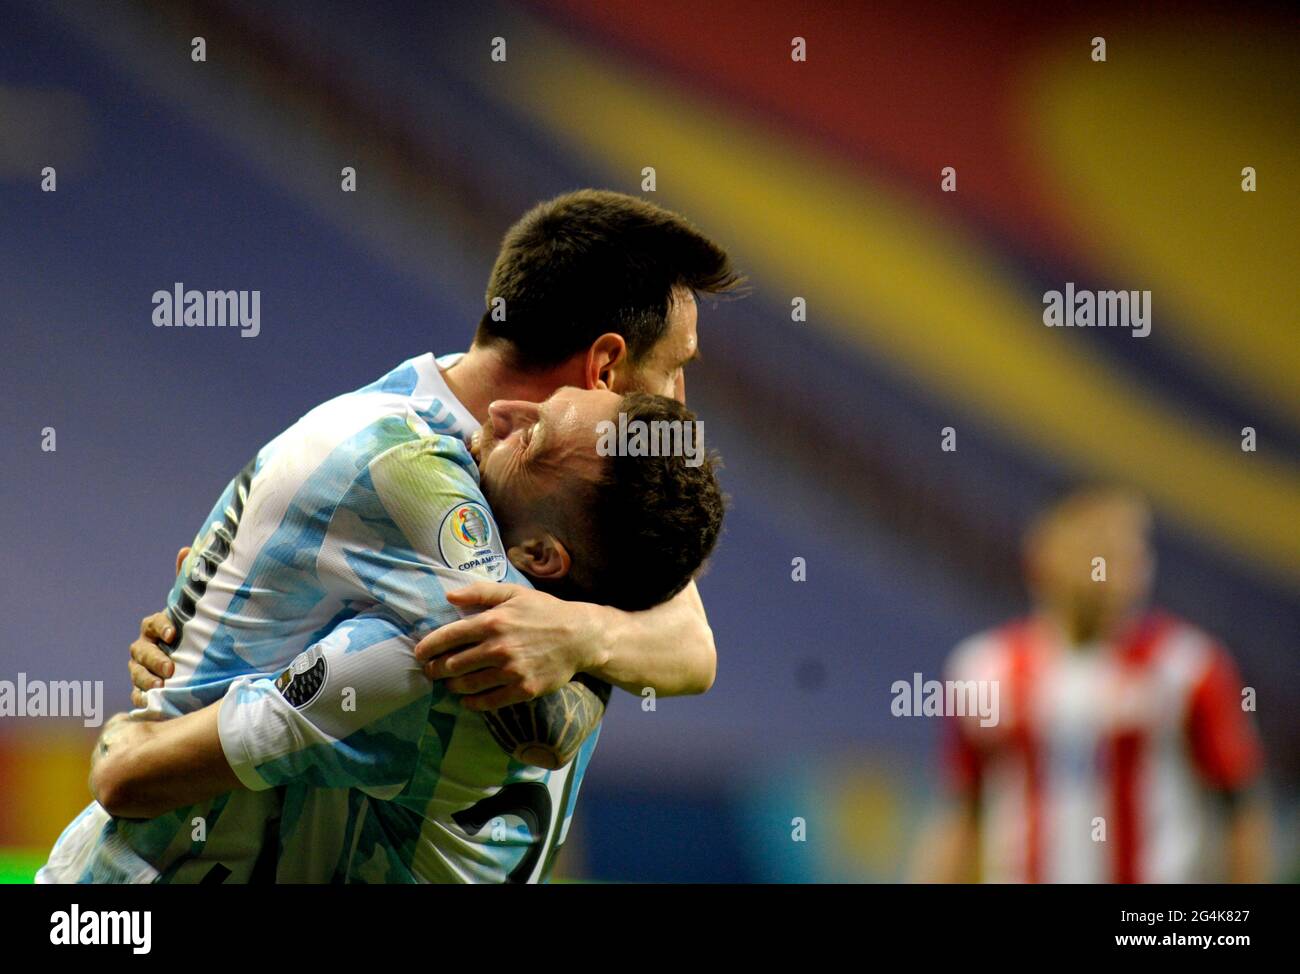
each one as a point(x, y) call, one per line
point(359, 516)
point(384, 782)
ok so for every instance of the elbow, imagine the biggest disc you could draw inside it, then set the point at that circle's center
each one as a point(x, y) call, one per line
point(707, 677)
point(122, 791)
point(707, 670)
point(712, 672)
point(113, 788)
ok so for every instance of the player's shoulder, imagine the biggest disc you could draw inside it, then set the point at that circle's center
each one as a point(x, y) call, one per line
point(1157, 624)
point(413, 457)
point(412, 383)
point(404, 379)
point(429, 488)
point(987, 654)
point(1166, 642)
point(331, 456)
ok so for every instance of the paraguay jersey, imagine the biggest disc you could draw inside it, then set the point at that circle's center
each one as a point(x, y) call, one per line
point(367, 508)
point(1104, 762)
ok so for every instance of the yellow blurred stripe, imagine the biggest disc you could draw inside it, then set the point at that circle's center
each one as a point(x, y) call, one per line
point(907, 287)
point(1148, 150)
point(44, 784)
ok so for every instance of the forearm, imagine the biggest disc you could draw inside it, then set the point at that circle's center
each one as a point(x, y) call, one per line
point(141, 769)
point(669, 647)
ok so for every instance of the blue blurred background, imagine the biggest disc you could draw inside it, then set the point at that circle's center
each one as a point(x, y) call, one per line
point(823, 179)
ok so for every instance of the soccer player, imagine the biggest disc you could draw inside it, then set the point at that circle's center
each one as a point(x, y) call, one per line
point(592, 289)
point(1122, 752)
point(598, 291)
point(384, 781)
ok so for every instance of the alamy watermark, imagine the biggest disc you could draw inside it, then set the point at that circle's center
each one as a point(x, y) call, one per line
point(947, 698)
point(1098, 309)
point(179, 308)
point(655, 438)
point(53, 698)
point(75, 927)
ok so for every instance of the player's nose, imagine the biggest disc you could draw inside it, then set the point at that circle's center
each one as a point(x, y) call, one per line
point(507, 415)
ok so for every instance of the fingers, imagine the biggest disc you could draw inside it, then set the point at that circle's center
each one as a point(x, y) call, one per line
point(462, 632)
point(152, 657)
point(458, 664)
point(180, 558)
point(483, 594)
point(141, 678)
point(149, 664)
point(461, 664)
point(158, 628)
point(478, 682)
point(495, 699)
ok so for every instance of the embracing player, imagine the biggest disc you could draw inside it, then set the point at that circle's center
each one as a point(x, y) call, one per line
point(599, 291)
point(344, 766)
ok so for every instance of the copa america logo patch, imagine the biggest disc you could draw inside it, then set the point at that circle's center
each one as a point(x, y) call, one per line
point(302, 681)
point(468, 542)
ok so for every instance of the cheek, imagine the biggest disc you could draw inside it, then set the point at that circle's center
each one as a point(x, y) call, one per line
point(496, 465)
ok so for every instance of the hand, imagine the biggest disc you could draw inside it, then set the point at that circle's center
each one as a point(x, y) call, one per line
point(150, 664)
point(524, 645)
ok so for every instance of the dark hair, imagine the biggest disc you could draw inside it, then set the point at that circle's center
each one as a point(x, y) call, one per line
point(593, 261)
point(651, 520)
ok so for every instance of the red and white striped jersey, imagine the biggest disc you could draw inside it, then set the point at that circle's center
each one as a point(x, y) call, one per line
point(1105, 759)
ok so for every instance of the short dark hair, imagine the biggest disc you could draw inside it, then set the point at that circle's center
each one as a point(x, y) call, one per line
point(650, 521)
point(593, 261)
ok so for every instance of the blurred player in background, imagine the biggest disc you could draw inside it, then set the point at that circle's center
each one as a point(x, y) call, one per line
point(1123, 752)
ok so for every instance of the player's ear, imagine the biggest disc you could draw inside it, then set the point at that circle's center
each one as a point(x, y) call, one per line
point(606, 359)
point(543, 557)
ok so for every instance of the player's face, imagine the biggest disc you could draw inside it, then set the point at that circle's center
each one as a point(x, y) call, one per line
point(530, 453)
point(1068, 579)
point(662, 368)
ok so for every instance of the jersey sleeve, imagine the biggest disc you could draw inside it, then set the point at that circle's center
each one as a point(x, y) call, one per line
point(1223, 741)
point(347, 713)
point(413, 526)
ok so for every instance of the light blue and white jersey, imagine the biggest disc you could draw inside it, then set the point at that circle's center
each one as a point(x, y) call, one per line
point(340, 539)
point(384, 784)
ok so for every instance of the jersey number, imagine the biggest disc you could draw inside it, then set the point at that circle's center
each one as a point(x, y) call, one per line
point(528, 800)
point(204, 563)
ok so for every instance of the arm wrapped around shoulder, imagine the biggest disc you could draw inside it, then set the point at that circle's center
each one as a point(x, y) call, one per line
point(547, 732)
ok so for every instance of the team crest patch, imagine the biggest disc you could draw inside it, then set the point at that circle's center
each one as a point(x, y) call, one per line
point(302, 681)
point(468, 542)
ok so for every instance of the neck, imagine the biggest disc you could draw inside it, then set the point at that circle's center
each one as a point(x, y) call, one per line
point(1078, 630)
point(485, 374)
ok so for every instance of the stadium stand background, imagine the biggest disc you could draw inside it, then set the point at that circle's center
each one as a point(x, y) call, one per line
point(924, 311)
